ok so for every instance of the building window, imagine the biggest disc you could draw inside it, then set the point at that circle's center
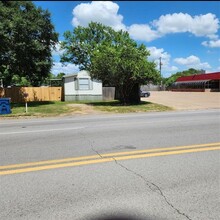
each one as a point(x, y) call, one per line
point(83, 84)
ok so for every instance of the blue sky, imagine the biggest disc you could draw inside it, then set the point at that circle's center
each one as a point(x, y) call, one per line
point(185, 34)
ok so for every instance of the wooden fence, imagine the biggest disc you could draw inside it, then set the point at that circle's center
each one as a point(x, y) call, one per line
point(17, 94)
point(108, 93)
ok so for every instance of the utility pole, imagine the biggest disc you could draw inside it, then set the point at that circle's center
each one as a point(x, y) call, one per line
point(160, 64)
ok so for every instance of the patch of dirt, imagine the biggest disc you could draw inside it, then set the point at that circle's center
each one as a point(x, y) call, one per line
point(83, 109)
point(186, 100)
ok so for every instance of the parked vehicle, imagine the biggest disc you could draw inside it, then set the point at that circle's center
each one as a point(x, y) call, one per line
point(144, 93)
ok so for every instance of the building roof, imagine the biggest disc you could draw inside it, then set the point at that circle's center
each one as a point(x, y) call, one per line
point(70, 75)
point(82, 73)
point(200, 77)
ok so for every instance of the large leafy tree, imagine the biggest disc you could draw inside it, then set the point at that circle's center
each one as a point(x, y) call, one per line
point(124, 65)
point(110, 56)
point(27, 37)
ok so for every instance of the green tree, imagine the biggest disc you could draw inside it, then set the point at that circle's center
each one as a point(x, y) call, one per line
point(110, 56)
point(170, 80)
point(19, 81)
point(125, 66)
point(60, 75)
point(27, 37)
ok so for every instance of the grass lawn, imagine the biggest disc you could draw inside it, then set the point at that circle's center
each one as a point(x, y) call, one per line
point(40, 109)
point(57, 108)
point(117, 107)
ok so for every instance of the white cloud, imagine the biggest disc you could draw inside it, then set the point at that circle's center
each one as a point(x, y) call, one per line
point(57, 51)
point(187, 61)
point(202, 25)
point(211, 43)
point(173, 68)
point(105, 12)
point(192, 62)
point(205, 25)
point(172, 23)
point(67, 69)
point(142, 32)
point(155, 55)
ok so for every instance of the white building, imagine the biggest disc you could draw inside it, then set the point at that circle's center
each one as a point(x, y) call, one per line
point(80, 86)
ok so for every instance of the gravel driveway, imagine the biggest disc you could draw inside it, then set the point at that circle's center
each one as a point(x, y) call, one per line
point(186, 100)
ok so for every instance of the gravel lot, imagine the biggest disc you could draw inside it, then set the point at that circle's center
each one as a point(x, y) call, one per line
point(186, 100)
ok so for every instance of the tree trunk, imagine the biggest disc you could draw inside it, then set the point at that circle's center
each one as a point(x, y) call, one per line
point(128, 95)
point(134, 96)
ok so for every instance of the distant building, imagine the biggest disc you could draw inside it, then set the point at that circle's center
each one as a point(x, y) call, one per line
point(200, 82)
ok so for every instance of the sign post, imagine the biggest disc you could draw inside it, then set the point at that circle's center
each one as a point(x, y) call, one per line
point(25, 97)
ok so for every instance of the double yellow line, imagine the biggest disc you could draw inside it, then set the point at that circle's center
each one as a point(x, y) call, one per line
point(102, 158)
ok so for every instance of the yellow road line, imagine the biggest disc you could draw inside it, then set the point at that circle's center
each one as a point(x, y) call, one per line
point(103, 160)
point(103, 155)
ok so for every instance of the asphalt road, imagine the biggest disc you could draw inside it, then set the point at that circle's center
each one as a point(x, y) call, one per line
point(147, 166)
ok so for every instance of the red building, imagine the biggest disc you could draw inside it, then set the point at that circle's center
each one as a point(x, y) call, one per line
point(200, 82)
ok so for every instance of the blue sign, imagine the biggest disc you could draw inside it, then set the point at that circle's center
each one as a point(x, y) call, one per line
point(5, 107)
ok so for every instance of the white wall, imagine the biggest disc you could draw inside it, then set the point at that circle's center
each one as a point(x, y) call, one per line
point(70, 85)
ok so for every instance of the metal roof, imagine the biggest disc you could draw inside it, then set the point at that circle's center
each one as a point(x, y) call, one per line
point(193, 81)
point(200, 77)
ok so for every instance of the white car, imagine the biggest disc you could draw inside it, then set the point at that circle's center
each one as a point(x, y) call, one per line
point(144, 93)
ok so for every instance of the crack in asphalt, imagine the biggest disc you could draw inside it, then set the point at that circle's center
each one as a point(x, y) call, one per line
point(153, 187)
point(83, 135)
point(96, 152)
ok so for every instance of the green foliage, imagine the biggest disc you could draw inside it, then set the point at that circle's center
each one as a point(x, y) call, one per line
point(60, 75)
point(123, 65)
point(170, 80)
point(80, 44)
point(19, 81)
point(110, 56)
point(26, 38)
point(54, 80)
